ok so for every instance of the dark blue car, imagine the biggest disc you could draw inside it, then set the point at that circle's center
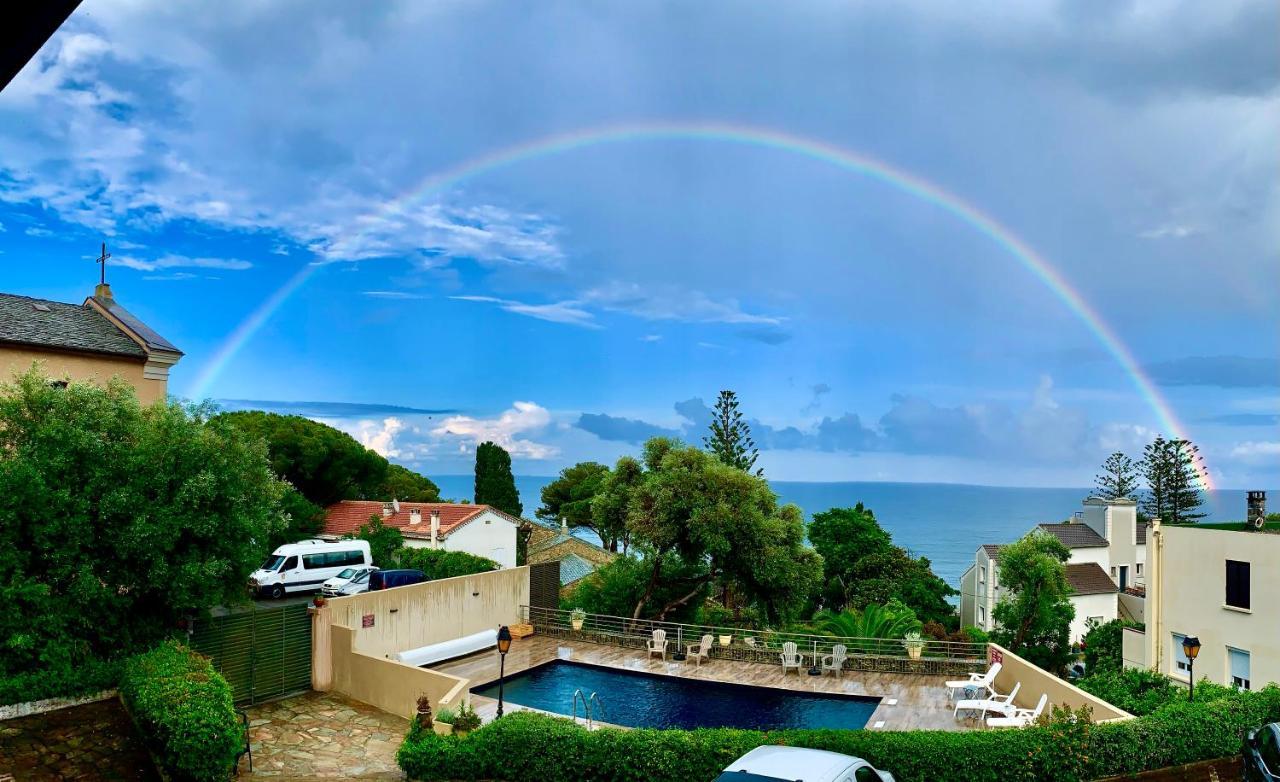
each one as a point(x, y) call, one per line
point(386, 579)
point(1262, 754)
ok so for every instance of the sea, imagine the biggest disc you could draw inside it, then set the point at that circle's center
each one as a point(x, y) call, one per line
point(945, 522)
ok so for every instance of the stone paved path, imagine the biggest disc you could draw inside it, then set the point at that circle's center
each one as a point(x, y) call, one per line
point(323, 736)
point(91, 742)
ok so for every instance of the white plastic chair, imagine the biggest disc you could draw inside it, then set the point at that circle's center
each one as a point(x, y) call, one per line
point(979, 681)
point(1020, 718)
point(658, 644)
point(701, 650)
point(835, 660)
point(1001, 704)
point(791, 658)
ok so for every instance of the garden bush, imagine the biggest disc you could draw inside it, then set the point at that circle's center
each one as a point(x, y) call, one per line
point(63, 681)
point(526, 745)
point(183, 708)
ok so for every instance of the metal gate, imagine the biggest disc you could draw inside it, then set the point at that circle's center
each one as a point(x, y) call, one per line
point(263, 653)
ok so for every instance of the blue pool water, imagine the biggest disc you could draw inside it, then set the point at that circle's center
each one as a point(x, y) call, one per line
point(644, 700)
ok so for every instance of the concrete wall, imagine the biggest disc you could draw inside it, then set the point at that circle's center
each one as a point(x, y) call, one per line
point(1131, 608)
point(84, 368)
point(1086, 606)
point(969, 597)
point(388, 684)
point(491, 536)
point(1036, 682)
point(1191, 597)
point(1133, 648)
point(413, 616)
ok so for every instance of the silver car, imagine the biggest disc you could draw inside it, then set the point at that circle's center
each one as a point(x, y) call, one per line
point(797, 764)
point(334, 587)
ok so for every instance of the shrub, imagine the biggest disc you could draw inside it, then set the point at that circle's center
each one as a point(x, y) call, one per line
point(437, 563)
point(62, 681)
point(1102, 646)
point(1137, 691)
point(1064, 748)
point(184, 709)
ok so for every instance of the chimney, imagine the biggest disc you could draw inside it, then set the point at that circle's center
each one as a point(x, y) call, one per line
point(103, 291)
point(395, 505)
point(415, 516)
point(564, 525)
point(435, 527)
point(1256, 510)
point(386, 510)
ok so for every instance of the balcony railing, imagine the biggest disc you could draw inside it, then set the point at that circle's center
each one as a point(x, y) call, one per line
point(763, 646)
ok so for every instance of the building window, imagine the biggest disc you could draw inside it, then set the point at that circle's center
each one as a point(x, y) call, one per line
point(1137, 569)
point(1237, 584)
point(1113, 573)
point(1180, 662)
point(1238, 667)
point(982, 616)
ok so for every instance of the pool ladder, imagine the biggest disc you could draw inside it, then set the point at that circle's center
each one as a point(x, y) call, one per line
point(587, 700)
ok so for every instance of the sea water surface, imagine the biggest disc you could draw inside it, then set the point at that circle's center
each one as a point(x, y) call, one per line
point(945, 522)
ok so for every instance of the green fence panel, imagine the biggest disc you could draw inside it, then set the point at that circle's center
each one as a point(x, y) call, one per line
point(263, 653)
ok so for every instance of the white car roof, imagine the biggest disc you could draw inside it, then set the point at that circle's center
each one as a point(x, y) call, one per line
point(793, 763)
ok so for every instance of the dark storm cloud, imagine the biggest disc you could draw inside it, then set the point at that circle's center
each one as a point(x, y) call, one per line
point(1219, 371)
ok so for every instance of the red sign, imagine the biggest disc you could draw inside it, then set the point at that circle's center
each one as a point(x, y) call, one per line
point(997, 656)
point(366, 620)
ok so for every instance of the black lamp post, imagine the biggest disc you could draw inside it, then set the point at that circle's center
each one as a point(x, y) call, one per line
point(1191, 648)
point(504, 646)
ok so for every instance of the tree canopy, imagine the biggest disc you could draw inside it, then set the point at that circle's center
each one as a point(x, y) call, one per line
point(384, 542)
point(862, 567)
point(730, 438)
point(570, 497)
point(117, 520)
point(1169, 467)
point(495, 483)
point(1034, 615)
point(1118, 479)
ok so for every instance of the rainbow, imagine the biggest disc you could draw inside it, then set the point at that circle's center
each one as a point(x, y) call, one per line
point(758, 137)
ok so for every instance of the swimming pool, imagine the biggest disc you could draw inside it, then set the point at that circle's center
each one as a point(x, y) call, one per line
point(645, 700)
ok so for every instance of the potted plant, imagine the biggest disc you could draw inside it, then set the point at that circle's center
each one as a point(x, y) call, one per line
point(443, 724)
point(424, 712)
point(914, 644)
point(726, 638)
point(319, 600)
point(466, 721)
point(577, 617)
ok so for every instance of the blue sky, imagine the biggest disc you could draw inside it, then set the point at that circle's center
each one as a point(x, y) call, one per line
point(568, 305)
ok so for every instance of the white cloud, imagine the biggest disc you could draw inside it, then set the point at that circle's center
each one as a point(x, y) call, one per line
point(651, 338)
point(38, 232)
point(523, 418)
point(1260, 452)
point(1170, 231)
point(380, 437)
point(398, 295)
point(180, 262)
point(670, 302)
point(557, 312)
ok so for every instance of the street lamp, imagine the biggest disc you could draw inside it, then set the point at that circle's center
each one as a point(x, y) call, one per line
point(504, 646)
point(1191, 648)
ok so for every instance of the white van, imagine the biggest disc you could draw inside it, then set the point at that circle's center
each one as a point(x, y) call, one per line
point(304, 566)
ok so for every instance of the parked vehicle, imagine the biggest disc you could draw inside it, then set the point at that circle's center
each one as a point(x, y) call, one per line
point(386, 579)
point(796, 764)
point(305, 565)
point(331, 586)
point(1262, 754)
point(356, 585)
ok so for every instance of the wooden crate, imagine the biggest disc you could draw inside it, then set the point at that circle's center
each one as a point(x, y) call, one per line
point(521, 630)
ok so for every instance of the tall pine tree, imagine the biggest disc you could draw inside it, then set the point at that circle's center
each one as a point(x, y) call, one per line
point(730, 438)
point(1119, 477)
point(1169, 467)
point(495, 484)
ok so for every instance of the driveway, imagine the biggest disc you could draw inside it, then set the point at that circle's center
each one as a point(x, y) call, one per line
point(320, 735)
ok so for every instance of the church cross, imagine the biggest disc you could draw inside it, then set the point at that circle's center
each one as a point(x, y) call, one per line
point(102, 259)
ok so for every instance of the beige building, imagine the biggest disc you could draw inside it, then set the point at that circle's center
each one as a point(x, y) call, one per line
point(94, 342)
point(1219, 585)
point(1108, 558)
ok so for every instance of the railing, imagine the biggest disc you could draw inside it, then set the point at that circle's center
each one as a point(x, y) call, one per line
point(763, 646)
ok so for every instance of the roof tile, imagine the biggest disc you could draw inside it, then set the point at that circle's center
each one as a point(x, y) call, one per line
point(1088, 578)
point(54, 324)
point(1075, 535)
point(347, 516)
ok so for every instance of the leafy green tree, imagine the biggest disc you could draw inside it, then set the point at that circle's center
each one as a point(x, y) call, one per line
point(404, 484)
point(1173, 494)
point(721, 522)
point(730, 437)
point(495, 483)
point(611, 504)
point(615, 588)
point(384, 542)
point(117, 520)
point(1034, 616)
point(1103, 644)
point(303, 518)
point(863, 567)
point(570, 497)
point(438, 563)
point(873, 621)
point(1119, 477)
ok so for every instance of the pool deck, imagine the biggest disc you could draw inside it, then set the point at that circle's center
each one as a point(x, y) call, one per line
point(909, 701)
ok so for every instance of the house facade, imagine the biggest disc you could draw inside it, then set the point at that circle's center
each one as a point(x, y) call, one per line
point(481, 530)
point(89, 342)
point(1108, 560)
point(578, 558)
point(1218, 585)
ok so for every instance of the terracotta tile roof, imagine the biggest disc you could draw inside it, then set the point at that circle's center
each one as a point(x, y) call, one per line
point(1075, 535)
point(347, 516)
point(1088, 578)
point(992, 549)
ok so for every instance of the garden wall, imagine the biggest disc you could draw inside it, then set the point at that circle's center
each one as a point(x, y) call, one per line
point(390, 685)
point(1036, 682)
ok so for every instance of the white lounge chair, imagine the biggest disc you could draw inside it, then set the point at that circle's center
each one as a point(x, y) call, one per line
point(701, 650)
point(1020, 718)
point(1000, 704)
point(791, 658)
point(981, 682)
point(835, 660)
point(658, 644)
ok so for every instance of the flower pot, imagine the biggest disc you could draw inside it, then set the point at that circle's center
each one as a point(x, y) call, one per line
point(914, 652)
point(319, 600)
point(577, 623)
point(725, 639)
point(442, 728)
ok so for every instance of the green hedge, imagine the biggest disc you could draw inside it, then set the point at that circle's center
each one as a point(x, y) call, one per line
point(525, 745)
point(64, 682)
point(183, 708)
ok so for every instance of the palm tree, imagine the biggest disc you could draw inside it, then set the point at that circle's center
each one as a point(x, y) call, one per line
point(874, 621)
